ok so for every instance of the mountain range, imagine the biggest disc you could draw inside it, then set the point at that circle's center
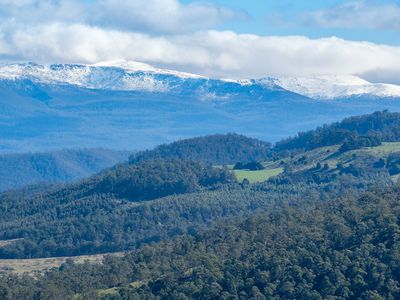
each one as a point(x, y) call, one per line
point(120, 105)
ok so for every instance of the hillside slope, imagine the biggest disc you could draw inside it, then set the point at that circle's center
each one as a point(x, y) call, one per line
point(344, 248)
point(121, 208)
point(18, 170)
point(383, 126)
point(214, 149)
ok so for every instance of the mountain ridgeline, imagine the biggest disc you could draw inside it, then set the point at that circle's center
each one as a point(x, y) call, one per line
point(214, 149)
point(366, 130)
point(352, 133)
point(68, 165)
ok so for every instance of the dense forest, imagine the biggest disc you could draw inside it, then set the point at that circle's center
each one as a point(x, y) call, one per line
point(215, 149)
point(367, 129)
point(345, 248)
point(134, 204)
point(326, 227)
point(97, 215)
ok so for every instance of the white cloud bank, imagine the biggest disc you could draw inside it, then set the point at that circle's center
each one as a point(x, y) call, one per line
point(72, 34)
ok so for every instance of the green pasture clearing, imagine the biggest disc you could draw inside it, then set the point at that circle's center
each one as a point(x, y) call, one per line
point(257, 176)
point(386, 147)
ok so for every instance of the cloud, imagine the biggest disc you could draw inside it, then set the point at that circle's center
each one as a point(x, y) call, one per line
point(152, 16)
point(357, 14)
point(213, 53)
point(160, 32)
point(160, 15)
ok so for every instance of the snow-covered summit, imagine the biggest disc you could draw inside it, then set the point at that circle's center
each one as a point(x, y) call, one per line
point(134, 66)
point(113, 75)
point(333, 87)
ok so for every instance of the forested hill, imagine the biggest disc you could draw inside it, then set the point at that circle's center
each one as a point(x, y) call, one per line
point(136, 203)
point(215, 149)
point(366, 130)
point(339, 249)
point(151, 179)
point(18, 170)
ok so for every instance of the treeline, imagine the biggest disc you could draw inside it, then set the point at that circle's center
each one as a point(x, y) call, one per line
point(355, 132)
point(344, 248)
point(216, 149)
point(253, 166)
point(354, 142)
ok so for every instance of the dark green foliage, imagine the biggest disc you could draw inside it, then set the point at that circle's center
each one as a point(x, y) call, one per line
point(252, 166)
point(96, 215)
point(380, 163)
point(393, 163)
point(104, 224)
point(367, 129)
point(353, 170)
point(74, 222)
point(339, 249)
point(357, 142)
point(215, 149)
point(157, 178)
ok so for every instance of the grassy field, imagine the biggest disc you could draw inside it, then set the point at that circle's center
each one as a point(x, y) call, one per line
point(40, 265)
point(386, 147)
point(4, 243)
point(257, 176)
point(114, 291)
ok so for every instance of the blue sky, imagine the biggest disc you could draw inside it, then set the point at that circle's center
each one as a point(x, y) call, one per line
point(220, 38)
point(288, 17)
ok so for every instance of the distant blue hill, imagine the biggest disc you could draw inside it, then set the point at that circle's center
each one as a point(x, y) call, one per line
point(18, 170)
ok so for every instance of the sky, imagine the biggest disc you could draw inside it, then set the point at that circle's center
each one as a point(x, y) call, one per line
point(220, 38)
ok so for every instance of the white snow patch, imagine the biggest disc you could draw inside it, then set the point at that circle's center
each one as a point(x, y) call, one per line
point(333, 87)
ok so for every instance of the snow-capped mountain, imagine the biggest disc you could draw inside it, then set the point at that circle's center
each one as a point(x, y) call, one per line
point(134, 76)
point(116, 75)
point(333, 87)
point(130, 105)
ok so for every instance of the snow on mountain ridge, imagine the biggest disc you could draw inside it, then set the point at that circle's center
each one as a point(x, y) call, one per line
point(334, 86)
point(136, 76)
point(130, 77)
point(134, 66)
